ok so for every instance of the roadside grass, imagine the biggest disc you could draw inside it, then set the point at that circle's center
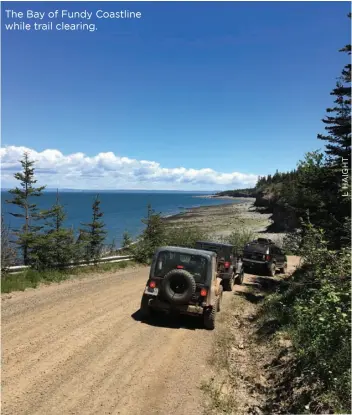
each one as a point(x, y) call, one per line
point(312, 311)
point(226, 392)
point(32, 278)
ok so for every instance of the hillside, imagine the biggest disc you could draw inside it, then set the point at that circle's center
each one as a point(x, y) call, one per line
point(249, 192)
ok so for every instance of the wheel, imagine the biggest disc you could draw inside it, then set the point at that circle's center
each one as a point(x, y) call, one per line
point(178, 286)
point(283, 270)
point(228, 284)
point(145, 309)
point(219, 302)
point(272, 270)
point(209, 317)
point(239, 279)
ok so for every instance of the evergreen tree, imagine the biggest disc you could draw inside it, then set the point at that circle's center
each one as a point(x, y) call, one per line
point(56, 247)
point(22, 197)
point(95, 233)
point(152, 236)
point(338, 124)
point(126, 240)
point(154, 231)
point(8, 253)
point(81, 245)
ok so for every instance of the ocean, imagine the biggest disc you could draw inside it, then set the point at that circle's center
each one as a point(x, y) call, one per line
point(123, 211)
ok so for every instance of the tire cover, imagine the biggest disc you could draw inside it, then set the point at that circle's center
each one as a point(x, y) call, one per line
point(174, 277)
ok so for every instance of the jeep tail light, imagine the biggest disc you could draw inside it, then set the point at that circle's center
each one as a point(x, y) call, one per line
point(180, 267)
point(267, 257)
point(203, 292)
point(152, 284)
point(227, 265)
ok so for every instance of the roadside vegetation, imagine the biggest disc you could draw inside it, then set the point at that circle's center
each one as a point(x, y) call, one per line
point(311, 309)
point(32, 278)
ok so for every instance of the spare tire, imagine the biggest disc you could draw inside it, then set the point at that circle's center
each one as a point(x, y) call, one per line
point(178, 286)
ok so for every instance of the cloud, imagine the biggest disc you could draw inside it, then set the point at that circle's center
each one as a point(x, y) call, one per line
point(109, 171)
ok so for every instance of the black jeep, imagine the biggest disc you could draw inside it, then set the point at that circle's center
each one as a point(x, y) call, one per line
point(229, 264)
point(264, 253)
point(185, 281)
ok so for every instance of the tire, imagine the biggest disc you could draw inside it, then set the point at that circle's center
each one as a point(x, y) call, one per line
point(272, 270)
point(228, 284)
point(145, 309)
point(239, 279)
point(283, 270)
point(178, 287)
point(219, 302)
point(209, 317)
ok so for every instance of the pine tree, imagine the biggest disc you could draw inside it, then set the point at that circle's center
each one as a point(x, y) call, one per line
point(95, 233)
point(126, 240)
point(154, 230)
point(152, 236)
point(56, 247)
point(8, 253)
point(22, 199)
point(338, 124)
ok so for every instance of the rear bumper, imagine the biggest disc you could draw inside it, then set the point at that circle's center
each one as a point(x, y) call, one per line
point(182, 309)
point(225, 275)
point(247, 261)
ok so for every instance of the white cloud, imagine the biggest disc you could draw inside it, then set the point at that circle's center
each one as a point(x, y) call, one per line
point(108, 171)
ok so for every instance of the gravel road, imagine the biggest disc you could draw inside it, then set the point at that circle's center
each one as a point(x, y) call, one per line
point(80, 348)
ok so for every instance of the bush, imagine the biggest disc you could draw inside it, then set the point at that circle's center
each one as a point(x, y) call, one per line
point(238, 238)
point(158, 233)
point(314, 306)
point(185, 236)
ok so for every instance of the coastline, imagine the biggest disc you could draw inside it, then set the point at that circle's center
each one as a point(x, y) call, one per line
point(225, 197)
point(219, 221)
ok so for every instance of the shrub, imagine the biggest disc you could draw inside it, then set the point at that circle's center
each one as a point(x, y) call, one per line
point(183, 235)
point(314, 306)
point(239, 237)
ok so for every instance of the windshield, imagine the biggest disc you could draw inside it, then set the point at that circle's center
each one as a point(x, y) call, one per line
point(256, 248)
point(224, 252)
point(195, 264)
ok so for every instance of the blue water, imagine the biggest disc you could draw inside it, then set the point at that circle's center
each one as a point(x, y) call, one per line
point(122, 211)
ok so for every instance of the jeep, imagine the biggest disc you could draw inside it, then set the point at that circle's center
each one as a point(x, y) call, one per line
point(183, 281)
point(264, 253)
point(229, 265)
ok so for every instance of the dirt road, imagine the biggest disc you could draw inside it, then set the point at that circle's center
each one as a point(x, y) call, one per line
point(79, 348)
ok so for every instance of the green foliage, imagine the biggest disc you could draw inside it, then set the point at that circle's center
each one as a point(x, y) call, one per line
point(248, 192)
point(8, 253)
point(91, 239)
point(56, 247)
point(238, 238)
point(158, 233)
point(338, 120)
point(126, 240)
point(22, 199)
point(152, 236)
point(32, 278)
point(184, 236)
point(314, 306)
point(292, 242)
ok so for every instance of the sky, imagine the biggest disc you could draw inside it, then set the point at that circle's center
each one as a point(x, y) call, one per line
point(191, 96)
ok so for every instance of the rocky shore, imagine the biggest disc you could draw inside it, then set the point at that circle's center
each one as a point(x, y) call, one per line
point(221, 220)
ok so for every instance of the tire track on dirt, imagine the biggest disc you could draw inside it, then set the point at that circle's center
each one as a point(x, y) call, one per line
point(76, 348)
